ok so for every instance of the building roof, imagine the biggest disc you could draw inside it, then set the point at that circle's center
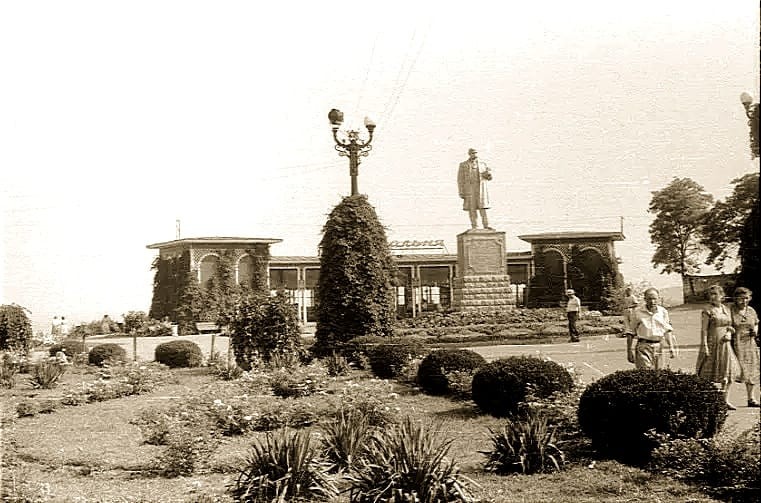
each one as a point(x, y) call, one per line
point(293, 259)
point(561, 236)
point(213, 241)
point(402, 257)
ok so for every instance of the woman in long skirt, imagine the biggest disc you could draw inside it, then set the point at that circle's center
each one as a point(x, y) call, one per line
point(716, 358)
point(745, 323)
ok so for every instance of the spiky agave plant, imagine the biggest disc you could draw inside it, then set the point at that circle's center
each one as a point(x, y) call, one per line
point(284, 467)
point(345, 437)
point(524, 446)
point(408, 462)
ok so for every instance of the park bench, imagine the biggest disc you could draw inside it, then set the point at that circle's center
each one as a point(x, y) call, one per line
point(207, 327)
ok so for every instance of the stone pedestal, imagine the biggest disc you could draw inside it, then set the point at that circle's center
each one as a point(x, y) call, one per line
point(482, 282)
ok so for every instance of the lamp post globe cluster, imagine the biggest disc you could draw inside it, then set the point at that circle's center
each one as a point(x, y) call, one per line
point(350, 144)
point(751, 111)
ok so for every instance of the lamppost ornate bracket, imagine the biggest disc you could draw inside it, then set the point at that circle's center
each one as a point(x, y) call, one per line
point(351, 145)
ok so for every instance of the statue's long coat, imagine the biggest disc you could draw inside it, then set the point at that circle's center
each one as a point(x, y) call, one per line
point(472, 186)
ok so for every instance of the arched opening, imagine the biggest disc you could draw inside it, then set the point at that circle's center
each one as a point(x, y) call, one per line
point(548, 283)
point(588, 275)
point(208, 269)
point(555, 273)
point(246, 270)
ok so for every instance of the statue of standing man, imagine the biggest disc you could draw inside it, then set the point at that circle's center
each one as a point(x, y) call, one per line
point(471, 182)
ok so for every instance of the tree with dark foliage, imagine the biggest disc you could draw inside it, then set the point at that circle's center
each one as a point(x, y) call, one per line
point(679, 209)
point(724, 223)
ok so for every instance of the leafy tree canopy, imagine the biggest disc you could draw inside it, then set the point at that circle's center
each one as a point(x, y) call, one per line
point(679, 209)
point(723, 225)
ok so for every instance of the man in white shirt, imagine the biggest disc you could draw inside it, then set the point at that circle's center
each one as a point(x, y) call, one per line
point(650, 327)
point(572, 309)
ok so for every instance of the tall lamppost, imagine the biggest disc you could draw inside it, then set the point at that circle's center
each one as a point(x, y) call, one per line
point(751, 111)
point(351, 145)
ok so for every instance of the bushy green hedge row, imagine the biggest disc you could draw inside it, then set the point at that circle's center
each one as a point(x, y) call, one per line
point(500, 317)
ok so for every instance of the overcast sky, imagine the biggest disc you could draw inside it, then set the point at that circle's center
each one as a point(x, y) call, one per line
point(118, 118)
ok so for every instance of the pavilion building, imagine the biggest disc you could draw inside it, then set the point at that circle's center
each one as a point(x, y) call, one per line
point(427, 271)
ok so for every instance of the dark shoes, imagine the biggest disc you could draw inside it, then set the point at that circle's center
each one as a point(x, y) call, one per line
point(574, 340)
point(753, 403)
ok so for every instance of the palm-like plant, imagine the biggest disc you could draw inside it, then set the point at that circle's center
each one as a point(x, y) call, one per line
point(345, 438)
point(45, 373)
point(285, 467)
point(408, 463)
point(525, 446)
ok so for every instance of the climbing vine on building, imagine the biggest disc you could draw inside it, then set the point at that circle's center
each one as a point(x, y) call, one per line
point(178, 295)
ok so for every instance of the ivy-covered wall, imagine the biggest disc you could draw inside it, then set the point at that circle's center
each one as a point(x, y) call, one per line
point(178, 295)
point(594, 276)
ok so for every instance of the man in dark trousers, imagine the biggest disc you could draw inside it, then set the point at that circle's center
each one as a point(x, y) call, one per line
point(573, 307)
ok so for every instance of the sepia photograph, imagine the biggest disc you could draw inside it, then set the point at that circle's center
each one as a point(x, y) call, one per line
point(396, 252)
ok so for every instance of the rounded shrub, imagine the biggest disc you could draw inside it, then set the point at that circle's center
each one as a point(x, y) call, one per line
point(179, 354)
point(433, 370)
point(624, 412)
point(389, 360)
point(500, 386)
point(106, 353)
point(70, 347)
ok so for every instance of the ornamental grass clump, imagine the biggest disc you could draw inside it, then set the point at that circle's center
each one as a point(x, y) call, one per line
point(408, 462)
point(644, 404)
point(524, 446)
point(285, 466)
point(345, 437)
point(45, 373)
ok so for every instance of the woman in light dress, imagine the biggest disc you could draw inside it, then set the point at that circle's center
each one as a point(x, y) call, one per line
point(716, 358)
point(744, 341)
